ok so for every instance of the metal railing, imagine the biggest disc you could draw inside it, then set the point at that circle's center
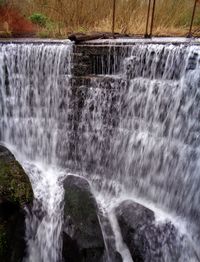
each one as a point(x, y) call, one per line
point(113, 21)
point(150, 18)
point(192, 20)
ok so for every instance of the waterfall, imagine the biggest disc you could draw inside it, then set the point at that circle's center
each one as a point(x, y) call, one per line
point(134, 133)
point(34, 88)
point(150, 112)
point(34, 85)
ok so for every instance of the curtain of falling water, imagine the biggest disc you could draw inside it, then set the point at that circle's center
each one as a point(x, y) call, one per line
point(34, 87)
point(140, 129)
point(135, 132)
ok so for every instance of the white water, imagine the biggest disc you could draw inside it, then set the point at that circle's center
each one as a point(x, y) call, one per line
point(32, 80)
point(133, 134)
point(44, 226)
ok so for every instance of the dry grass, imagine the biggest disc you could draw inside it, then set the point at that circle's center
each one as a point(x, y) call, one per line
point(172, 17)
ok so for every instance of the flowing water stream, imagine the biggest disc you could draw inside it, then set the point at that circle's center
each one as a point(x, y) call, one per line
point(34, 82)
point(132, 134)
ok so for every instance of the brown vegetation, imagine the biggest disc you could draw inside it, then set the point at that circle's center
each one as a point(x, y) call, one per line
point(172, 17)
point(12, 23)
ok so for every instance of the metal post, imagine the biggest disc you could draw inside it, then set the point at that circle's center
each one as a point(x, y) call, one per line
point(147, 23)
point(192, 20)
point(152, 17)
point(113, 18)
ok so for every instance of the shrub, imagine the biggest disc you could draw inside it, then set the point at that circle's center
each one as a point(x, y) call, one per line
point(39, 19)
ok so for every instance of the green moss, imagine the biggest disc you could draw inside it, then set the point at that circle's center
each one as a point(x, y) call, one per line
point(14, 183)
point(15, 192)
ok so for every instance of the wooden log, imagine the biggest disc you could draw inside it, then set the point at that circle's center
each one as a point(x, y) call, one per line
point(78, 37)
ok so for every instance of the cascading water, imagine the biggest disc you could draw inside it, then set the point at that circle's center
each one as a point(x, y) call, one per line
point(153, 153)
point(34, 81)
point(133, 134)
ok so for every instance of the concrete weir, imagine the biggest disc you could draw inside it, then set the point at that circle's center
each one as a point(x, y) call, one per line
point(97, 57)
point(94, 58)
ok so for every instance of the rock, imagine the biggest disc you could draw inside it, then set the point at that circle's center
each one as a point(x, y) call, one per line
point(15, 194)
point(149, 241)
point(83, 239)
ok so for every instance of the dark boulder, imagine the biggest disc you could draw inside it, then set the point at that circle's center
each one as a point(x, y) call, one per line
point(149, 241)
point(83, 239)
point(15, 194)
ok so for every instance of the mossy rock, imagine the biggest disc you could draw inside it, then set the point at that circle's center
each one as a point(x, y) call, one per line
point(82, 227)
point(148, 240)
point(14, 183)
point(15, 194)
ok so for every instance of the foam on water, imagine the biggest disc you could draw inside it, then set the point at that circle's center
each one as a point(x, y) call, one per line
point(44, 225)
